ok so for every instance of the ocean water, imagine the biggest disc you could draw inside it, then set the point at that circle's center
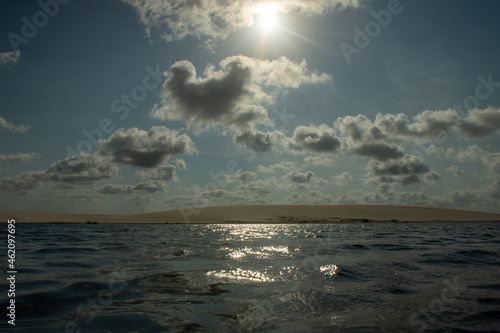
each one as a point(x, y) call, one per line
point(434, 277)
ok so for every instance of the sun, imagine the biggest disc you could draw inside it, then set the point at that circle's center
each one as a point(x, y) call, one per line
point(267, 18)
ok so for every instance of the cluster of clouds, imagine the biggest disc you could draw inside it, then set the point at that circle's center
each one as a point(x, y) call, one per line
point(231, 97)
point(133, 147)
point(214, 20)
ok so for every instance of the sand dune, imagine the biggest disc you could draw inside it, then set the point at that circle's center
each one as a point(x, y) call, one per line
point(269, 214)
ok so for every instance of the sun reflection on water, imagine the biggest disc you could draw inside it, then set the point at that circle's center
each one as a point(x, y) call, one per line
point(241, 274)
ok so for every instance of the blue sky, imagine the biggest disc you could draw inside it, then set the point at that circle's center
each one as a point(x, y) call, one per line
point(136, 106)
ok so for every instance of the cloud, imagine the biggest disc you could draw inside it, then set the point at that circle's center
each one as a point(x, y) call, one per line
point(258, 141)
point(163, 172)
point(480, 123)
point(214, 20)
point(259, 187)
point(405, 171)
point(5, 125)
point(278, 167)
point(76, 170)
point(456, 171)
point(475, 153)
point(9, 58)
point(379, 151)
point(313, 140)
point(343, 178)
point(145, 149)
point(296, 177)
point(180, 163)
point(492, 161)
point(146, 187)
point(320, 160)
point(231, 97)
point(431, 177)
point(18, 157)
point(427, 125)
point(240, 177)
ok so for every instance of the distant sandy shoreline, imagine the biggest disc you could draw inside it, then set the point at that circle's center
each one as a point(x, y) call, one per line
point(269, 214)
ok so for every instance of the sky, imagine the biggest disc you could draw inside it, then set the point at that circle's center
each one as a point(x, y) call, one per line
point(131, 106)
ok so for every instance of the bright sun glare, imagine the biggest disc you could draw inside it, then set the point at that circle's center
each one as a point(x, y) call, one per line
point(266, 16)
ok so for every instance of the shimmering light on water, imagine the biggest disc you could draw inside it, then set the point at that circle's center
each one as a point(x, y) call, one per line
point(241, 278)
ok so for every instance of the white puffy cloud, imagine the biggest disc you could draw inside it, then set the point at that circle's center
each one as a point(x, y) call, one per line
point(343, 178)
point(213, 20)
point(145, 149)
point(162, 172)
point(5, 125)
point(427, 125)
point(180, 163)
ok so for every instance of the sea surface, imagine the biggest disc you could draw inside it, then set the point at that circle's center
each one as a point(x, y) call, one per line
point(428, 277)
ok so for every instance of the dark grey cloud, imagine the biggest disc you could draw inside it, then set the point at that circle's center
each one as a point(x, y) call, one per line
point(297, 177)
point(431, 177)
point(379, 151)
point(145, 149)
point(405, 171)
point(22, 183)
point(229, 98)
point(76, 170)
point(313, 140)
point(480, 123)
point(258, 141)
